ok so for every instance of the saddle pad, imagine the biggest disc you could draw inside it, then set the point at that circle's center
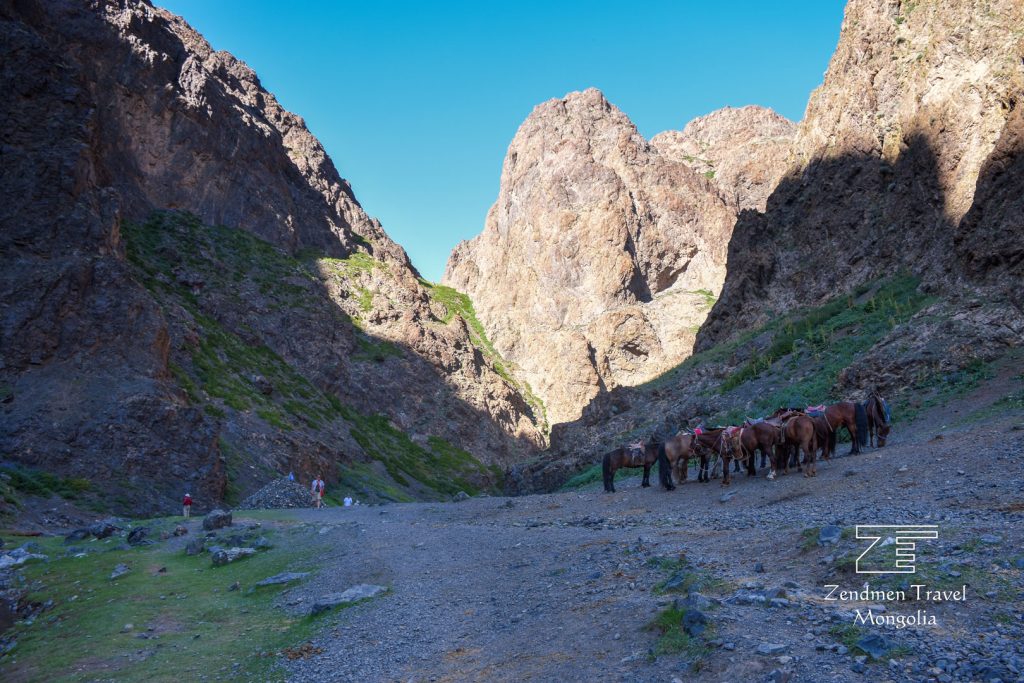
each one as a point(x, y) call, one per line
point(815, 413)
point(816, 409)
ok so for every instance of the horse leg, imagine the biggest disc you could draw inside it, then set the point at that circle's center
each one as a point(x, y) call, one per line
point(647, 477)
point(725, 470)
point(611, 481)
point(851, 429)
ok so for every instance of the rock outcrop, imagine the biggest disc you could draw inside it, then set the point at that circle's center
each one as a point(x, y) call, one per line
point(598, 259)
point(904, 160)
point(265, 324)
point(744, 150)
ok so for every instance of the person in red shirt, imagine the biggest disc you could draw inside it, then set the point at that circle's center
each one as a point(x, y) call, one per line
point(187, 504)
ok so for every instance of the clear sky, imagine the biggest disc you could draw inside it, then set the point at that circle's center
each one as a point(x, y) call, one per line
point(417, 102)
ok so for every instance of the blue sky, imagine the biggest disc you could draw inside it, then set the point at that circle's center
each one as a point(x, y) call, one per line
point(417, 102)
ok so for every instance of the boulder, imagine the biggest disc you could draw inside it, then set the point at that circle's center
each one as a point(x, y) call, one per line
point(195, 546)
point(223, 556)
point(119, 571)
point(362, 591)
point(216, 519)
point(284, 577)
point(180, 530)
point(138, 535)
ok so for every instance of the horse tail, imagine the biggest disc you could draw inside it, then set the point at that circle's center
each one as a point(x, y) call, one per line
point(664, 468)
point(861, 417)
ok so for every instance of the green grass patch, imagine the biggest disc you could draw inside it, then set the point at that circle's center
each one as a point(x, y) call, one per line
point(36, 482)
point(672, 639)
point(199, 627)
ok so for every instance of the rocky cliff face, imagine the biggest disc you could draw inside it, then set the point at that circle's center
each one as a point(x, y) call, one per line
point(897, 164)
point(599, 257)
point(213, 355)
point(745, 151)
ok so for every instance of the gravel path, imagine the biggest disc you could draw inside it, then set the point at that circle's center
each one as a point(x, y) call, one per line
point(560, 586)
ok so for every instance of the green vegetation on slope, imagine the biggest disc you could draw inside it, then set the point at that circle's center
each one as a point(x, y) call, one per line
point(226, 375)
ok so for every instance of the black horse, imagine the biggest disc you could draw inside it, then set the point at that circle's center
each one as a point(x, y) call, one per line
point(638, 455)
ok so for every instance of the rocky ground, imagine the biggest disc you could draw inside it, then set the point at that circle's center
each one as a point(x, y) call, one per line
point(564, 586)
point(568, 586)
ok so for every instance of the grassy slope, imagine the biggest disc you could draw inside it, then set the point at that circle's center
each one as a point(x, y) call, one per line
point(219, 373)
point(199, 626)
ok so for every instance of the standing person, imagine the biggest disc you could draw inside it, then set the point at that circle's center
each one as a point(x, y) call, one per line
point(318, 492)
point(187, 505)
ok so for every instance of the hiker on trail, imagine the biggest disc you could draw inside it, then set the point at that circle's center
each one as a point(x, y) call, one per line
point(187, 504)
point(291, 476)
point(318, 492)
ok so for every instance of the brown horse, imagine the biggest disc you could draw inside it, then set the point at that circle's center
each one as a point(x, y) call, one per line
point(709, 443)
point(852, 416)
point(878, 419)
point(644, 455)
point(798, 434)
point(760, 436)
point(674, 459)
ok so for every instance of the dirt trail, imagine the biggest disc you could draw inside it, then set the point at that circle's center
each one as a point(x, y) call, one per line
point(561, 586)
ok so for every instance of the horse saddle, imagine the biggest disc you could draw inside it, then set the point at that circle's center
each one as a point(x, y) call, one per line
point(815, 411)
point(751, 421)
point(635, 451)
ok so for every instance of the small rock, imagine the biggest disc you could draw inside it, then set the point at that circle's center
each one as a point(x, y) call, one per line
point(216, 519)
point(235, 586)
point(780, 676)
point(195, 546)
point(991, 539)
point(829, 535)
point(694, 622)
point(460, 496)
point(180, 530)
point(759, 568)
point(857, 667)
point(771, 648)
point(903, 469)
point(127, 627)
point(727, 496)
point(874, 644)
point(119, 571)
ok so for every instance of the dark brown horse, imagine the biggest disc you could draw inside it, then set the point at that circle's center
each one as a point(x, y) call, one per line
point(877, 411)
point(674, 459)
point(823, 436)
point(637, 455)
point(852, 416)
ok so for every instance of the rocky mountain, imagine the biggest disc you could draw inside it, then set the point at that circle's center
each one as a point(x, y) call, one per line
point(904, 160)
point(599, 258)
point(888, 256)
point(193, 298)
point(744, 150)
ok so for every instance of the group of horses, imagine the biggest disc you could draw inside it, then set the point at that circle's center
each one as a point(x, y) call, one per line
point(780, 439)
